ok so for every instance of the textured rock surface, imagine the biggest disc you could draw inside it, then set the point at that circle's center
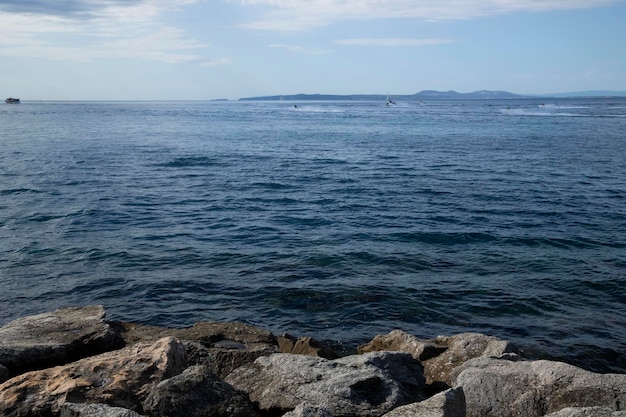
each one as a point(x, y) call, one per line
point(95, 410)
point(304, 346)
point(587, 412)
point(196, 393)
point(440, 356)
point(54, 338)
point(360, 385)
point(450, 403)
point(119, 378)
point(308, 410)
point(4, 373)
point(534, 388)
point(221, 347)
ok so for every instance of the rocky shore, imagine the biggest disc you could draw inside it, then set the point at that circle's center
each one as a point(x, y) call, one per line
point(74, 363)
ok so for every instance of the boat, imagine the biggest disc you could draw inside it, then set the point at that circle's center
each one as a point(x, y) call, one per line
point(389, 101)
point(12, 100)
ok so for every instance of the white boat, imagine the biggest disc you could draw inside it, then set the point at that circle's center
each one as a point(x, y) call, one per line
point(389, 101)
point(12, 100)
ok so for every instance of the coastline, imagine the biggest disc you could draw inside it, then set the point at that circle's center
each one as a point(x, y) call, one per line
point(73, 362)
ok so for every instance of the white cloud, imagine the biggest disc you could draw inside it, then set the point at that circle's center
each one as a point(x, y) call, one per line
point(92, 29)
point(218, 62)
point(300, 49)
point(306, 14)
point(392, 41)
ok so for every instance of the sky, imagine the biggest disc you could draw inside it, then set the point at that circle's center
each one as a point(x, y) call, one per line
point(229, 49)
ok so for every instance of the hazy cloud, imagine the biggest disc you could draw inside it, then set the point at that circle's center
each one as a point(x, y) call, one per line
point(392, 41)
point(300, 49)
point(306, 14)
point(93, 29)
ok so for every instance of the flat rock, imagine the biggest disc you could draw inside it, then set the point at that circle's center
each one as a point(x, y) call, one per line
point(441, 355)
point(197, 393)
point(55, 338)
point(120, 378)
point(449, 403)
point(506, 388)
point(359, 385)
point(95, 410)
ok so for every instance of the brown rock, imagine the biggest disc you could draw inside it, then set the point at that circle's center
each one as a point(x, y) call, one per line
point(120, 378)
point(440, 356)
point(54, 338)
point(304, 346)
point(220, 347)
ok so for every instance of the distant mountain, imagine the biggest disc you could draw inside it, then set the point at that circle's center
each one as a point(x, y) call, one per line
point(422, 95)
point(433, 95)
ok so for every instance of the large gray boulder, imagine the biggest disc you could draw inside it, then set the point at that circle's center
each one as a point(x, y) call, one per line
point(197, 393)
point(506, 388)
point(121, 378)
point(95, 410)
point(449, 403)
point(54, 338)
point(441, 355)
point(360, 385)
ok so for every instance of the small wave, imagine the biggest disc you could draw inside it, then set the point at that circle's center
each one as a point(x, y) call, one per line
point(557, 106)
point(192, 161)
point(316, 109)
point(17, 191)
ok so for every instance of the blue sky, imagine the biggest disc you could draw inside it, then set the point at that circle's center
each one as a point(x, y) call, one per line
point(211, 49)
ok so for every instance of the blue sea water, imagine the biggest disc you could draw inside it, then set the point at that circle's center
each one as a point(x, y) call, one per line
point(337, 220)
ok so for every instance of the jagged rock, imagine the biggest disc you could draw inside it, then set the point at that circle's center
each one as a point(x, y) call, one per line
point(304, 346)
point(197, 393)
point(95, 410)
point(534, 388)
point(450, 403)
point(587, 412)
point(308, 410)
point(222, 360)
point(441, 355)
point(121, 378)
point(364, 385)
point(221, 347)
point(54, 338)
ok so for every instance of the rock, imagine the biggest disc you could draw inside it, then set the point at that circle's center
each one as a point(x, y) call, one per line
point(308, 410)
point(95, 410)
point(221, 347)
point(587, 412)
point(4, 373)
point(207, 333)
point(54, 338)
point(364, 385)
point(304, 346)
point(222, 360)
point(450, 403)
point(440, 356)
point(120, 378)
point(534, 388)
point(197, 393)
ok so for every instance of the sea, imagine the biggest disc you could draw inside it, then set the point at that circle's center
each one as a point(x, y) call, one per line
point(338, 220)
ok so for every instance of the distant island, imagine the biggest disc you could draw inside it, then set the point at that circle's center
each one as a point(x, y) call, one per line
point(431, 95)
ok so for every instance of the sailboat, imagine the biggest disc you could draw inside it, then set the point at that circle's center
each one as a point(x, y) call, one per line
point(389, 101)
